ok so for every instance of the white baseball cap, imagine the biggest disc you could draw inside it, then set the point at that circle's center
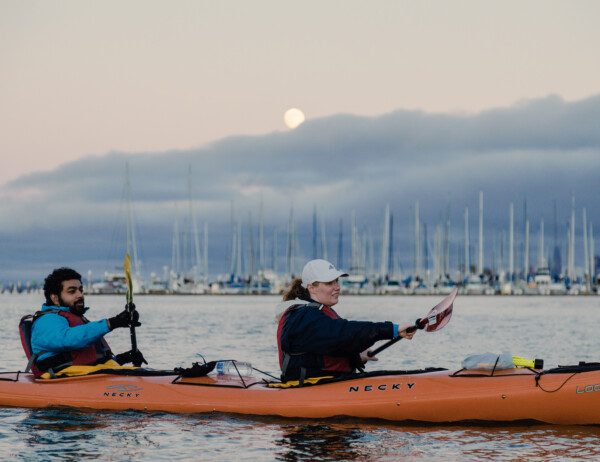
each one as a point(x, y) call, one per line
point(320, 271)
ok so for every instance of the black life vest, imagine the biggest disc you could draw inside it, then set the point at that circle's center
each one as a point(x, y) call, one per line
point(90, 355)
point(327, 365)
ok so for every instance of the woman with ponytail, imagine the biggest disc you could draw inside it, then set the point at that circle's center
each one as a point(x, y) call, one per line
point(313, 340)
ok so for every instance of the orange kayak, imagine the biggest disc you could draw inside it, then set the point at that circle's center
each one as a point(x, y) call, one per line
point(567, 396)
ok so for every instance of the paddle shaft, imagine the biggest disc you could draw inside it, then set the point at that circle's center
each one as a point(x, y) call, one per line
point(133, 338)
point(134, 347)
point(130, 306)
point(419, 324)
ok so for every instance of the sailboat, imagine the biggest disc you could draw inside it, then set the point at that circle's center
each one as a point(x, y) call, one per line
point(187, 281)
point(357, 281)
point(115, 282)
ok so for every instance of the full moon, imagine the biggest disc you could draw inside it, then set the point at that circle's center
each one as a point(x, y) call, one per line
point(293, 117)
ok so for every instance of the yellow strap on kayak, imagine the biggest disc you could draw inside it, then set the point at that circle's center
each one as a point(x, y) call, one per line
point(73, 371)
point(531, 363)
point(296, 383)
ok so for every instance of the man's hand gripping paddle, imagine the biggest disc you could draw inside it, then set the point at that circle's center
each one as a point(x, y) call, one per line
point(436, 319)
point(130, 307)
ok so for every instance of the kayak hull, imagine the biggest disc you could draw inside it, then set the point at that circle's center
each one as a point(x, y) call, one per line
point(436, 397)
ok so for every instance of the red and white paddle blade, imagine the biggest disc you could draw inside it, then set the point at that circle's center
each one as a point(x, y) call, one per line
point(441, 313)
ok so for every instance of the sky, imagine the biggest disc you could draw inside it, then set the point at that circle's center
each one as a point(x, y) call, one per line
point(427, 90)
point(83, 78)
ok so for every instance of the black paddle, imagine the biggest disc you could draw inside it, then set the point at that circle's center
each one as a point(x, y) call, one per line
point(437, 318)
point(130, 307)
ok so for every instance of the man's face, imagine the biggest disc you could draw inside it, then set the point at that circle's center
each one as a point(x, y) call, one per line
point(71, 296)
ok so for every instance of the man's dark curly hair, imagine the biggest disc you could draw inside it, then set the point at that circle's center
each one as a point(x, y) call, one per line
point(53, 282)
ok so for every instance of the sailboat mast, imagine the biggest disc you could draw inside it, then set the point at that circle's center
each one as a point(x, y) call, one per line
point(238, 250)
point(511, 242)
point(354, 243)
point(592, 252)
point(314, 232)
point(290, 244)
point(480, 260)
point(586, 274)
point(526, 257)
point(437, 253)
point(385, 239)
point(425, 253)
point(467, 259)
point(447, 242)
point(250, 247)
point(323, 239)
point(175, 255)
point(340, 249)
point(417, 241)
point(541, 260)
point(391, 260)
point(262, 263)
point(196, 258)
point(556, 269)
point(233, 240)
point(571, 267)
point(205, 252)
point(370, 253)
point(275, 252)
point(131, 237)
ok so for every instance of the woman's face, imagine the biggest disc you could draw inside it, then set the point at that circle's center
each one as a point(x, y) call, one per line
point(326, 293)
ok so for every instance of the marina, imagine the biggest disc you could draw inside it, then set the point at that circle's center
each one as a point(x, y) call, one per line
point(433, 266)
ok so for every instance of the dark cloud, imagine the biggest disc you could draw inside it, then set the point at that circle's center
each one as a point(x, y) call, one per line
point(539, 151)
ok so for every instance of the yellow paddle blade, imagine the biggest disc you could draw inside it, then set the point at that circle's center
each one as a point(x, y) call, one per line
point(127, 268)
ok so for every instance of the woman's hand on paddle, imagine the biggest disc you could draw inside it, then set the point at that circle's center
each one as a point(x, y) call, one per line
point(365, 358)
point(406, 331)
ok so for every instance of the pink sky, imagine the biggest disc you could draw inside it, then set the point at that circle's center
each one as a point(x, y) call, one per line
point(81, 78)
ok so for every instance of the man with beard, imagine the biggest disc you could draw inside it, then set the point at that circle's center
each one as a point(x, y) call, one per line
point(62, 337)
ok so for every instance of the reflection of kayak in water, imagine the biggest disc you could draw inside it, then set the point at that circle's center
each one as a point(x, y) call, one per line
point(566, 395)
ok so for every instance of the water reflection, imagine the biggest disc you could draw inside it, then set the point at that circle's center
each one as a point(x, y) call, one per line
point(539, 443)
point(389, 441)
point(319, 442)
point(496, 443)
point(68, 434)
point(60, 433)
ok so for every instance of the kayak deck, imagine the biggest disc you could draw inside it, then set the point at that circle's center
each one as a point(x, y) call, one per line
point(439, 396)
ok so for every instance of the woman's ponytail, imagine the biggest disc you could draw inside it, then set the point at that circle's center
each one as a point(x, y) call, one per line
point(296, 291)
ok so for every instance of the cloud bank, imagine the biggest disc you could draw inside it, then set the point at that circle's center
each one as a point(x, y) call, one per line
point(539, 151)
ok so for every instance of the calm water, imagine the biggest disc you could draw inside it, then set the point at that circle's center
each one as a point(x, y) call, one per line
point(561, 330)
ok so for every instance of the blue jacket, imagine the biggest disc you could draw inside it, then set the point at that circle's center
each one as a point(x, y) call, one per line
point(52, 334)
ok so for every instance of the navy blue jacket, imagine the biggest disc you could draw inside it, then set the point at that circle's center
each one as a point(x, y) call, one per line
point(323, 345)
